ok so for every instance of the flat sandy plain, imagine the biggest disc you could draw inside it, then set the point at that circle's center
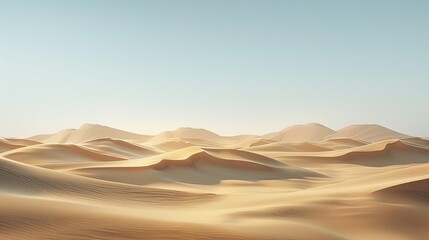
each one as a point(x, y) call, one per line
point(303, 182)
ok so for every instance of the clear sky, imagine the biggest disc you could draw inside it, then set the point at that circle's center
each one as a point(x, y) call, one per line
point(229, 66)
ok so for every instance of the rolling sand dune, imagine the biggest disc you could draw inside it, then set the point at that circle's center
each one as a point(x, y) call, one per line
point(259, 142)
point(22, 142)
point(195, 137)
point(21, 179)
point(414, 191)
point(289, 147)
point(6, 145)
point(418, 142)
point(341, 143)
point(377, 154)
point(57, 153)
point(51, 219)
point(88, 132)
point(312, 132)
point(251, 143)
point(121, 148)
point(205, 167)
point(172, 145)
point(368, 133)
point(186, 133)
point(304, 182)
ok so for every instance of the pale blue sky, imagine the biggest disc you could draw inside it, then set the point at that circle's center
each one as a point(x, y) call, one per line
point(229, 66)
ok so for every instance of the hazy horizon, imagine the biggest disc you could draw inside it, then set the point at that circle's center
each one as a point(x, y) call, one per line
point(221, 134)
point(232, 67)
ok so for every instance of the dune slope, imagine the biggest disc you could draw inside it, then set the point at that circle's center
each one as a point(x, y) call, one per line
point(205, 167)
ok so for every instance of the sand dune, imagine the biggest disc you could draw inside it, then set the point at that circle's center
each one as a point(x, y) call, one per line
point(418, 142)
point(22, 179)
point(7, 145)
point(185, 137)
point(378, 154)
point(121, 148)
point(312, 132)
point(88, 132)
point(289, 147)
point(186, 133)
point(251, 143)
point(413, 191)
point(367, 132)
point(304, 182)
point(341, 143)
point(51, 219)
point(22, 142)
point(259, 142)
point(210, 166)
point(173, 144)
point(58, 153)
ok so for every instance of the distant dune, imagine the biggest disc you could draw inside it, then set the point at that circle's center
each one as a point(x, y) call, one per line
point(312, 132)
point(186, 133)
point(303, 182)
point(57, 153)
point(368, 133)
point(87, 132)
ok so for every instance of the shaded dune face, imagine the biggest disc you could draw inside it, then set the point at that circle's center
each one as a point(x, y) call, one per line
point(411, 191)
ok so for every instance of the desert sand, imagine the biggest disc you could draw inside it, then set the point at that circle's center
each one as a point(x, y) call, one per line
point(303, 182)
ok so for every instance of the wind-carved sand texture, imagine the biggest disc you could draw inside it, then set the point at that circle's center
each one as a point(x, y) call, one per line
point(303, 182)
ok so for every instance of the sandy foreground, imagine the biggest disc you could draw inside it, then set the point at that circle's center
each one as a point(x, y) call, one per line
point(304, 182)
